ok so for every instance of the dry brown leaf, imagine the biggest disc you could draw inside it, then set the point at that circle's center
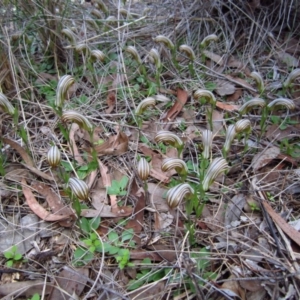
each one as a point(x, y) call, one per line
point(104, 174)
point(233, 289)
point(110, 101)
point(138, 213)
point(227, 107)
point(72, 144)
point(241, 82)
point(234, 209)
point(292, 233)
point(218, 120)
point(115, 145)
point(182, 97)
point(235, 63)
point(69, 281)
point(54, 202)
point(27, 159)
point(214, 57)
point(235, 96)
point(123, 211)
point(224, 88)
point(26, 288)
point(37, 208)
point(263, 158)
point(156, 193)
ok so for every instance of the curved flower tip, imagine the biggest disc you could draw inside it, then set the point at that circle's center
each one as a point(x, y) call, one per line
point(155, 58)
point(168, 137)
point(291, 78)
point(143, 169)
point(97, 55)
point(246, 107)
point(207, 137)
point(165, 40)
point(111, 20)
point(79, 188)
point(150, 101)
point(174, 163)
point(230, 135)
point(62, 87)
point(75, 117)
point(83, 48)
point(208, 95)
point(100, 5)
point(208, 39)
point(242, 125)
point(53, 156)
point(6, 105)
point(259, 81)
point(132, 50)
point(161, 98)
point(217, 166)
point(188, 51)
point(282, 102)
point(70, 35)
point(125, 13)
point(97, 13)
point(176, 194)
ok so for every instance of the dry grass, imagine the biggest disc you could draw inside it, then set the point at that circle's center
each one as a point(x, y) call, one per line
point(250, 255)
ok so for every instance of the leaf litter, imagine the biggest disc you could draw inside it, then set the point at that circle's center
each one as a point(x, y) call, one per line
point(245, 227)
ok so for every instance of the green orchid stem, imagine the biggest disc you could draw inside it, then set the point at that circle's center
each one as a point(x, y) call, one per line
point(143, 71)
point(157, 76)
point(263, 121)
point(92, 70)
point(145, 186)
point(210, 121)
point(175, 62)
point(192, 69)
point(180, 149)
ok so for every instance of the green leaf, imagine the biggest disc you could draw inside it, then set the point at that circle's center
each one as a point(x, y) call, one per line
point(95, 223)
point(84, 225)
point(88, 242)
point(123, 182)
point(113, 236)
point(93, 236)
point(211, 86)
point(135, 284)
point(113, 250)
point(127, 235)
point(67, 166)
point(17, 256)
point(111, 190)
point(275, 119)
point(35, 297)
point(9, 263)
point(122, 193)
point(8, 254)
point(146, 261)
point(92, 249)
point(82, 256)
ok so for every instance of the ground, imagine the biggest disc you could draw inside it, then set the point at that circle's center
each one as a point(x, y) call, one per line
point(149, 150)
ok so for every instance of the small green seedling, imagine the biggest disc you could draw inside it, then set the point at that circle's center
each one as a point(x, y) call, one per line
point(13, 256)
point(35, 297)
point(283, 124)
point(118, 187)
point(146, 275)
point(116, 246)
point(253, 206)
